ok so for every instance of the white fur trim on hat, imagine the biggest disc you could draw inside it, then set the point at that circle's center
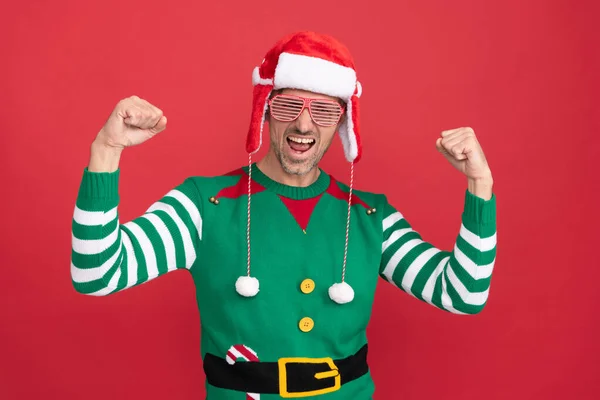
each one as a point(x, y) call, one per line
point(314, 74)
point(247, 286)
point(256, 79)
point(347, 135)
point(341, 293)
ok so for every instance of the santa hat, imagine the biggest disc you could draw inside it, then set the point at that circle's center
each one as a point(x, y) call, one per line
point(320, 64)
point(313, 62)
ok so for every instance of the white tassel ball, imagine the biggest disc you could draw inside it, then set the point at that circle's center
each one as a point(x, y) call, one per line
point(246, 286)
point(341, 293)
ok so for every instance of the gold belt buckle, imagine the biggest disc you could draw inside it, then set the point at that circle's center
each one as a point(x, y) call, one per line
point(333, 373)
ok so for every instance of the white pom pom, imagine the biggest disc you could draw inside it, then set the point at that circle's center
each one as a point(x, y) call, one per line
point(358, 89)
point(255, 76)
point(341, 293)
point(246, 286)
point(257, 80)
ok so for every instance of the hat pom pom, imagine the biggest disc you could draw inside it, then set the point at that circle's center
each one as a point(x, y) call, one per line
point(255, 76)
point(341, 293)
point(246, 286)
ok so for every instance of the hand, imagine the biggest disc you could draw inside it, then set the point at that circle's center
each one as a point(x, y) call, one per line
point(132, 122)
point(463, 151)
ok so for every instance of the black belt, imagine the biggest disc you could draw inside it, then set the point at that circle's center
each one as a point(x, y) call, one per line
point(289, 377)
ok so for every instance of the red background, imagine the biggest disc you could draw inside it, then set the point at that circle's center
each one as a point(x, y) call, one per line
point(524, 75)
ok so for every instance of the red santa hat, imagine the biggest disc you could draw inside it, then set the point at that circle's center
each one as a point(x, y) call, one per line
point(313, 62)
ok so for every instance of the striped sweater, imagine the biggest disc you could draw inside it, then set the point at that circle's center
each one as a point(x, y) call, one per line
point(296, 234)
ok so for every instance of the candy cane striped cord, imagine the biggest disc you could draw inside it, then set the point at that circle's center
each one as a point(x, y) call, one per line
point(249, 195)
point(348, 222)
point(246, 285)
point(240, 351)
point(342, 292)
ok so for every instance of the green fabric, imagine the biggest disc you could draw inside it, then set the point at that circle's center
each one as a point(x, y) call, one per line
point(185, 230)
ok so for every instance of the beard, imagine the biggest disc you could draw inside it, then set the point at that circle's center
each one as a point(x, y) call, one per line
point(299, 167)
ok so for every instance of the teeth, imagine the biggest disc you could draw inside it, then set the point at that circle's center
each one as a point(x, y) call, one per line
point(298, 140)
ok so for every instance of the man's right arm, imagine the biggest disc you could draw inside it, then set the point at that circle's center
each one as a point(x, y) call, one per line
point(108, 256)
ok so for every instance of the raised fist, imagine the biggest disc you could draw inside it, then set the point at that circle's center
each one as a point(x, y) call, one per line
point(133, 121)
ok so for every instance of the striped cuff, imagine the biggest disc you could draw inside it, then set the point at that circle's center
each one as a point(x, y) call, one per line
point(479, 210)
point(99, 185)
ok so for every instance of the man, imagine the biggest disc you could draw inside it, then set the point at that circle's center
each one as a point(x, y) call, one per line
point(285, 258)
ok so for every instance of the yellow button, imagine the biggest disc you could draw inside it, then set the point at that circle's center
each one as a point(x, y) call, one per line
point(307, 286)
point(306, 324)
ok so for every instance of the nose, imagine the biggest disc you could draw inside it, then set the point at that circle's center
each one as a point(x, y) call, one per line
point(304, 123)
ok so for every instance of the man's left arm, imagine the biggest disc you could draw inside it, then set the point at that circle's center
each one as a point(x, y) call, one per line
point(456, 281)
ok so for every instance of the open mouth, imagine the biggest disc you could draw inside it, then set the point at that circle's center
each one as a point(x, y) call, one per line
point(300, 145)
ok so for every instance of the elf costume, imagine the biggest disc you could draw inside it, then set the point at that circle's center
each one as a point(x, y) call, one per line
point(285, 276)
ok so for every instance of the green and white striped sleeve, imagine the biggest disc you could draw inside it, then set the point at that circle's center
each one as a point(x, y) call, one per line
point(457, 281)
point(108, 256)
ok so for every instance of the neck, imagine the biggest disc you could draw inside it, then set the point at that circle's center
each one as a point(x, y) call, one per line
point(271, 167)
